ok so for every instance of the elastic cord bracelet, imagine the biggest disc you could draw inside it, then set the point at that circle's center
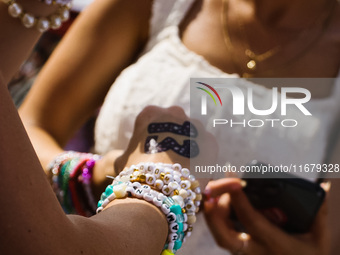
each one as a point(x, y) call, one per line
point(42, 24)
point(169, 187)
point(71, 174)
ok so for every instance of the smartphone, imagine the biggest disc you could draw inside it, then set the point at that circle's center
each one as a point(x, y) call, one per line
point(290, 203)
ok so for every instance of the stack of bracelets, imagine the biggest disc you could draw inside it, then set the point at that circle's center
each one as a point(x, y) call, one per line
point(71, 174)
point(42, 24)
point(169, 187)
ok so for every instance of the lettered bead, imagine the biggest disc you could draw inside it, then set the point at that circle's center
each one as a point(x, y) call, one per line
point(157, 202)
point(154, 193)
point(177, 167)
point(168, 178)
point(158, 171)
point(28, 20)
point(55, 21)
point(161, 197)
point(43, 25)
point(150, 179)
point(15, 10)
point(136, 185)
point(146, 187)
point(159, 184)
point(139, 192)
point(165, 209)
point(174, 227)
point(171, 217)
point(168, 170)
point(185, 184)
point(148, 197)
point(173, 185)
point(191, 219)
point(185, 172)
point(183, 193)
point(172, 237)
point(179, 200)
point(150, 168)
point(191, 195)
point(166, 190)
point(177, 178)
point(190, 207)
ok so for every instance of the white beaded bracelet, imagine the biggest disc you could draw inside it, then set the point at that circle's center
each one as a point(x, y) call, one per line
point(169, 187)
point(53, 21)
point(57, 2)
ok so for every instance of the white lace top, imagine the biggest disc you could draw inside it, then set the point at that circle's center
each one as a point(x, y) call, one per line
point(161, 77)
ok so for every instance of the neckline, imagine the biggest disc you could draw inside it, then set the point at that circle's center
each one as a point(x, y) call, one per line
point(199, 59)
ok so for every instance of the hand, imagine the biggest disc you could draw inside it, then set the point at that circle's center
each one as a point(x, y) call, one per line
point(135, 152)
point(263, 238)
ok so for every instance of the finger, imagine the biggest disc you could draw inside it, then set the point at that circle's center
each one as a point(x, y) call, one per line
point(256, 224)
point(225, 185)
point(216, 214)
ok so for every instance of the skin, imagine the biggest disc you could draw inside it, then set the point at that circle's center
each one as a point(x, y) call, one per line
point(264, 237)
point(273, 21)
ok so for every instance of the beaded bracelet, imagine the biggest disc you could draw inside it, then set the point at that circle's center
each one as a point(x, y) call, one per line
point(42, 24)
point(169, 187)
point(56, 2)
point(71, 174)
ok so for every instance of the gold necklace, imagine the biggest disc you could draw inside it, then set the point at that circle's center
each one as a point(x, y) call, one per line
point(254, 59)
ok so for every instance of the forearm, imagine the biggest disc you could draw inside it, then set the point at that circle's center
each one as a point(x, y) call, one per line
point(15, 36)
point(33, 222)
point(26, 191)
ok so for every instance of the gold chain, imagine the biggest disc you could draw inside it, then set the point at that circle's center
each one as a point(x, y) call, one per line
point(255, 59)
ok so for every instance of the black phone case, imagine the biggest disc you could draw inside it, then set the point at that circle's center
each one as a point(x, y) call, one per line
point(290, 203)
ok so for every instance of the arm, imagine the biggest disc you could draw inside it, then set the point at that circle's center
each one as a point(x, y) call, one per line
point(104, 39)
point(33, 221)
point(16, 41)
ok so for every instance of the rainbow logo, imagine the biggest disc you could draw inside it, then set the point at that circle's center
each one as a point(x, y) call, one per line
point(209, 93)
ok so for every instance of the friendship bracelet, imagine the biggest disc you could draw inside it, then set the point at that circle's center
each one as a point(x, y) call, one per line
point(42, 24)
point(169, 187)
point(71, 181)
